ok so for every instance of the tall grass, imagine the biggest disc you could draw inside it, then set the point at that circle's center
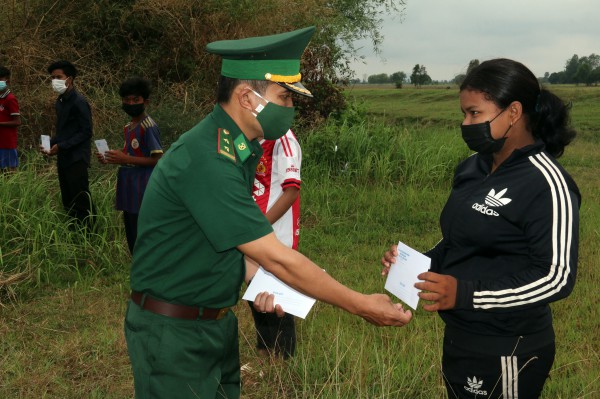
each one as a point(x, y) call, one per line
point(374, 153)
point(41, 245)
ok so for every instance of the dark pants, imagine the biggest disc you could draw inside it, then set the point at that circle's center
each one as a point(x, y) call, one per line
point(182, 359)
point(130, 221)
point(274, 333)
point(518, 373)
point(75, 192)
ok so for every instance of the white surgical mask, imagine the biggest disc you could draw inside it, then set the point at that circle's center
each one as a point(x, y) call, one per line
point(59, 85)
point(2, 85)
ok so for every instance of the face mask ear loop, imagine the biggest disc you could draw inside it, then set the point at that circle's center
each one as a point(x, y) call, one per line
point(260, 107)
point(500, 113)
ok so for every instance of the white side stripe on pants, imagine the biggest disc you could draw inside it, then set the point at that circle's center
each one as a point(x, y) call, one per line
point(510, 377)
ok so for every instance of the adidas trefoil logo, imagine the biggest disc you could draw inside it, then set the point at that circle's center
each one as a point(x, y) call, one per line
point(474, 385)
point(496, 200)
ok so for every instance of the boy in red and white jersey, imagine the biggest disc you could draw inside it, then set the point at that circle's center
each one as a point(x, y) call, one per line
point(277, 194)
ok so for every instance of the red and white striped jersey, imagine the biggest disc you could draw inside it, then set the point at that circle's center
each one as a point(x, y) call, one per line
point(278, 168)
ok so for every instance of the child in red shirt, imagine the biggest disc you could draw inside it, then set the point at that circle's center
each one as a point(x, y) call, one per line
point(10, 120)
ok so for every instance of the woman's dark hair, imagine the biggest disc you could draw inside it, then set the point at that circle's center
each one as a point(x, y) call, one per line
point(226, 86)
point(136, 86)
point(68, 68)
point(504, 81)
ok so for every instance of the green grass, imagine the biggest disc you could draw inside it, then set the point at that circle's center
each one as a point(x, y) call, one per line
point(63, 296)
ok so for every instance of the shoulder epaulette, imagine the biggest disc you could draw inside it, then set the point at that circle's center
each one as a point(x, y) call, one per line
point(225, 144)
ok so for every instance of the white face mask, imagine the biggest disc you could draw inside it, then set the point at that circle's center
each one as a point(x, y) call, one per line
point(59, 85)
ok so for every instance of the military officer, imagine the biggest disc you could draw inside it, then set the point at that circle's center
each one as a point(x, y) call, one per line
point(197, 221)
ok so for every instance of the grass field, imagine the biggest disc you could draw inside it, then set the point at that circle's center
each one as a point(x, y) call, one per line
point(380, 174)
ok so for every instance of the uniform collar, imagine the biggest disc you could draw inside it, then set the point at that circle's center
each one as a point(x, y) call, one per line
point(244, 148)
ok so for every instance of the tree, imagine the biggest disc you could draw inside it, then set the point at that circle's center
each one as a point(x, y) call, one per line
point(585, 72)
point(379, 78)
point(571, 69)
point(458, 79)
point(472, 64)
point(419, 76)
point(398, 78)
point(557, 77)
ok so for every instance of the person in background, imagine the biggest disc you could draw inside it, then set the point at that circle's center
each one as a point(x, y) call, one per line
point(71, 143)
point(198, 220)
point(509, 237)
point(277, 194)
point(139, 155)
point(10, 120)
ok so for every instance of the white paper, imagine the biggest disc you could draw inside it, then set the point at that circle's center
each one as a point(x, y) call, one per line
point(45, 139)
point(403, 274)
point(291, 301)
point(101, 146)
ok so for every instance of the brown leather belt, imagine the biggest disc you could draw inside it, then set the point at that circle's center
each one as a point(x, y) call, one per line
point(153, 305)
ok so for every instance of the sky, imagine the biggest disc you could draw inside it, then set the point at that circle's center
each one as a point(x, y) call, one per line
point(444, 35)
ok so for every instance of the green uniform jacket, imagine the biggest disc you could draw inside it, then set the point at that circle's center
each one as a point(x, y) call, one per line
point(197, 208)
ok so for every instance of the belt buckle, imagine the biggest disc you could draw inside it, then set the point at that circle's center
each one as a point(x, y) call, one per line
point(222, 313)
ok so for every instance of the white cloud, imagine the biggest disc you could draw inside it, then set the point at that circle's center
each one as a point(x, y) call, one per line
point(445, 35)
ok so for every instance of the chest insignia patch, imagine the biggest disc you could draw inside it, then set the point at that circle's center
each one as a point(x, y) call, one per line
point(135, 144)
point(225, 145)
point(261, 168)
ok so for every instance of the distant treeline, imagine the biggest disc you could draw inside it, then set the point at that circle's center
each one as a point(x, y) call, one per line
point(584, 70)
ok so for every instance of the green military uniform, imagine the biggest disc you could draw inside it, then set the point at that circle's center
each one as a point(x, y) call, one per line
point(186, 272)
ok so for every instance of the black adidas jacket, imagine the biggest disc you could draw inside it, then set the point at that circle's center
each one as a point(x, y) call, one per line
point(510, 238)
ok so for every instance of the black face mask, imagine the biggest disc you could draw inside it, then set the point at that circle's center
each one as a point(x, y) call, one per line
point(479, 138)
point(133, 110)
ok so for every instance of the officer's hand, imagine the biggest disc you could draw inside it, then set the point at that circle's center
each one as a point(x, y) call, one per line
point(441, 290)
point(388, 258)
point(382, 312)
point(264, 304)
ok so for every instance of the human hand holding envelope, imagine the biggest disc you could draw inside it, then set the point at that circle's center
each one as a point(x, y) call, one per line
point(403, 274)
point(101, 146)
point(292, 301)
point(45, 142)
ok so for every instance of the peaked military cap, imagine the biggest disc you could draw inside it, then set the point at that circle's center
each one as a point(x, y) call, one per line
point(275, 58)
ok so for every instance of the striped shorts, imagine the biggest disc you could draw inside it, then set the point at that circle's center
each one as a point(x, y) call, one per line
point(517, 374)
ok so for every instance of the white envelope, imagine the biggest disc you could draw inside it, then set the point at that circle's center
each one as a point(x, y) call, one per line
point(45, 140)
point(292, 301)
point(403, 274)
point(101, 146)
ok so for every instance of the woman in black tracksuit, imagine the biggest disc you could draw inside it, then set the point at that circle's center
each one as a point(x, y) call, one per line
point(510, 237)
